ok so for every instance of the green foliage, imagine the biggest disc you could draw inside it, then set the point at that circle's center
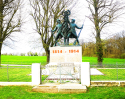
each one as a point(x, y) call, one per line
point(32, 54)
point(123, 56)
point(99, 52)
point(35, 54)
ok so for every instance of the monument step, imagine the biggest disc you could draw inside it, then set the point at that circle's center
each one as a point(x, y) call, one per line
point(61, 88)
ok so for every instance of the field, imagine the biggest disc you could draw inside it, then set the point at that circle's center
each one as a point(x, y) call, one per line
point(23, 60)
point(25, 92)
point(28, 60)
point(109, 74)
point(15, 75)
point(21, 74)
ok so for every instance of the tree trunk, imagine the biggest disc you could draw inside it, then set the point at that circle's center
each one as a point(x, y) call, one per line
point(0, 53)
point(48, 55)
point(99, 51)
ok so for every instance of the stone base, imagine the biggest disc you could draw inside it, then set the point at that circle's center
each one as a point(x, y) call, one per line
point(62, 88)
point(108, 83)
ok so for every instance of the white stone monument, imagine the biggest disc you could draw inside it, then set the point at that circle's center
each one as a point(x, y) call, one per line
point(66, 56)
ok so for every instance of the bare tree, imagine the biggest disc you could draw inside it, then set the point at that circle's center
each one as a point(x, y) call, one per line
point(9, 20)
point(103, 12)
point(120, 42)
point(45, 13)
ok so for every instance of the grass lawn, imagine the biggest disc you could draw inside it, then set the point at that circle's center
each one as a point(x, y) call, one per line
point(21, 74)
point(109, 74)
point(25, 92)
point(27, 60)
point(42, 59)
point(15, 74)
point(113, 61)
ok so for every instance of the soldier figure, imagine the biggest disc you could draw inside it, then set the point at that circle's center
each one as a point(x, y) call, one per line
point(72, 32)
point(66, 29)
point(59, 31)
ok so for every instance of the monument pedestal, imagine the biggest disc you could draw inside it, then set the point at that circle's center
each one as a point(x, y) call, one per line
point(66, 54)
point(66, 64)
point(66, 57)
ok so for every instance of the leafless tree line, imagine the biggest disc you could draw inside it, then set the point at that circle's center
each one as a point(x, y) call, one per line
point(114, 47)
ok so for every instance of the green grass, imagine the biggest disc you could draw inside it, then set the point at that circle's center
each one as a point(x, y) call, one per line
point(22, 75)
point(109, 74)
point(113, 61)
point(28, 60)
point(15, 75)
point(25, 92)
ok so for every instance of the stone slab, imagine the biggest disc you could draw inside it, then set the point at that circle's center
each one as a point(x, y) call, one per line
point(15, 83)
point(46, 89)
point(61, 88)
point(94, 71)
point(106, 83)
point(66, 54)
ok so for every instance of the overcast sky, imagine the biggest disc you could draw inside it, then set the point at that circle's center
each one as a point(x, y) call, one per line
point(25, 40)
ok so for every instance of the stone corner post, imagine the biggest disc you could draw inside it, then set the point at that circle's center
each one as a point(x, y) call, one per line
point(36, 76)
point(85, 73)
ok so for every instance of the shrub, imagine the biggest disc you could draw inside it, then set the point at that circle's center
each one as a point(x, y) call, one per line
point(35, 54)
point(22, 54)
point(123, 56)
point(43, 54)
